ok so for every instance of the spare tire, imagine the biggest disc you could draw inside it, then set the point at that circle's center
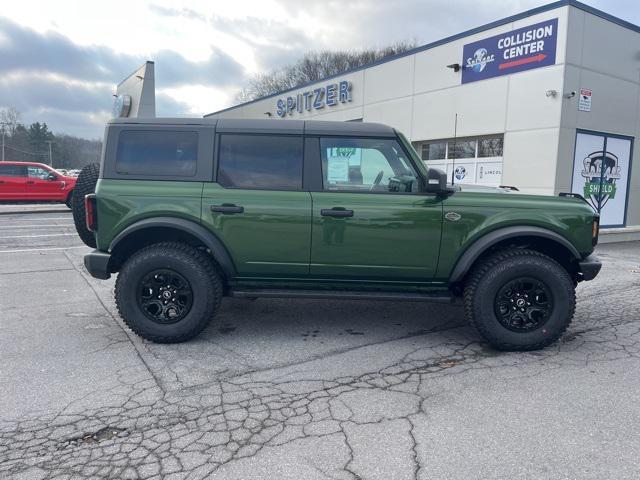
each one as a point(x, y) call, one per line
point(85, 184)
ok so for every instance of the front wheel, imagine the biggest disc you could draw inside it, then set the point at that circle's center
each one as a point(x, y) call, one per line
point(168, 292)
point(519, 300)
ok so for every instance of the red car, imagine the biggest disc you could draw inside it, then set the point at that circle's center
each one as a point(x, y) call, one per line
point(30, 181)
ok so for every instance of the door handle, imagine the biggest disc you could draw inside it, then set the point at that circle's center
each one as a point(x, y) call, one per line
point(1, 181)
point(227, 208)
point(30, 182)
point(334, 212)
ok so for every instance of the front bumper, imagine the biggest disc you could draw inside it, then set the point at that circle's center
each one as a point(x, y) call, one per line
point(588, 267)
point(97, 264)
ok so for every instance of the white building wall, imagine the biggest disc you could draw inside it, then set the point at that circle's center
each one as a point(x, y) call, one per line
point(604, 57)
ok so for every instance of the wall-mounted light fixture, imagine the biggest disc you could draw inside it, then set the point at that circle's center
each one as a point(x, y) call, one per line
point(455, 66)
point(551, 93)
point(268, 114)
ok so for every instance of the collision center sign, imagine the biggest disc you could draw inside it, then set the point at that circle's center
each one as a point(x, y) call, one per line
point(522, 49)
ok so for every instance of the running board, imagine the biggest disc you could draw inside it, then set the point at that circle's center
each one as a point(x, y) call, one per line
point(344, 295)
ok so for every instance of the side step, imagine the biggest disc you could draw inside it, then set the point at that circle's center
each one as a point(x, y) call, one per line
point(439, 297)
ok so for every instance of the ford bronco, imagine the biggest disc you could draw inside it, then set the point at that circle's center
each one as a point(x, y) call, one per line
point(188, 211)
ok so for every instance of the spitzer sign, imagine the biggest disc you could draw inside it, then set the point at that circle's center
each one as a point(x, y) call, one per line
point(510, 52)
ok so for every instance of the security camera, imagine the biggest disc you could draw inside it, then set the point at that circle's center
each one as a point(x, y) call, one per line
point(571, 94)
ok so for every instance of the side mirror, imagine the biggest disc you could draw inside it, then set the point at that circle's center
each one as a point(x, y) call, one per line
point(52, 176)
point(437, 182)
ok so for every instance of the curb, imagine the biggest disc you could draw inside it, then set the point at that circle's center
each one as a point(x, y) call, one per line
point(26, 212)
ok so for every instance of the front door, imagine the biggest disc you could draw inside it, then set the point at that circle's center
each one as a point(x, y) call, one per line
point(257, 207)
point(40, 186)
point(370, 221)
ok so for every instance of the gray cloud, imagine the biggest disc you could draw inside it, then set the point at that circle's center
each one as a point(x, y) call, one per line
point(28, 50)
point(277, 42)
point(26, 93)
point(167, 106)
point(39, 97)
point(81, 124)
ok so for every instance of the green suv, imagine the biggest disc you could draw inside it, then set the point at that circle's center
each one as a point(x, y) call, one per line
point(188, 211)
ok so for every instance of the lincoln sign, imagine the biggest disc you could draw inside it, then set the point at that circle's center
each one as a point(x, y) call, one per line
point(522, 49)
point(316, 99)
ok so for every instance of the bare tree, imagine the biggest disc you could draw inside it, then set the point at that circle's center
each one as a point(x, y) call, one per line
point(10, 119)
point(315, 66)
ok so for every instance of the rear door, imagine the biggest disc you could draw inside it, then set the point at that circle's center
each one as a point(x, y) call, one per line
point(257, 206)
point(13, 180)
point(370, 219)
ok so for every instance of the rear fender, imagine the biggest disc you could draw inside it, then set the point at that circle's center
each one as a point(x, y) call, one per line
point(207, 238)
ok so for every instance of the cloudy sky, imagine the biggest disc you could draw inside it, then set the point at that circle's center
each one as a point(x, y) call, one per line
point(60, 60)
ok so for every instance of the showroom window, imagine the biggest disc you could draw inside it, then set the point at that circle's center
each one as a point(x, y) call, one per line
point(463, 147)
point(472, 160)
point(434, 151)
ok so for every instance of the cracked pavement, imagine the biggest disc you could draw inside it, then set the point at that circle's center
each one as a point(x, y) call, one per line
point(304, 389)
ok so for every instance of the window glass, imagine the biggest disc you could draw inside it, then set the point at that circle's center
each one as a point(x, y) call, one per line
point(157, 152)
point(462, 148)
point(37, 172)
point(270, 162)
point(490, 146)
point(12, 171)
point(434, 150)
point(366, 165)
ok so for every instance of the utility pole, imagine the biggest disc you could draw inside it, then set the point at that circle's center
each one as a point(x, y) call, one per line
point(2, 125)
point(50, 160)
point(455, 150)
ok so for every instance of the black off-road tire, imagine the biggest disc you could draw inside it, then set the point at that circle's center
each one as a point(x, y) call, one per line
point(486, 280)
point(85, 184)
point(195, 266)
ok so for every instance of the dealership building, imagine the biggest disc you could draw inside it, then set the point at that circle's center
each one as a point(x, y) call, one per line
point(547, 101)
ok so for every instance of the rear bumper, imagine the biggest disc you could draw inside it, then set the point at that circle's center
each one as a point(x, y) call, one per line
point(589, 267)
point(97, 264)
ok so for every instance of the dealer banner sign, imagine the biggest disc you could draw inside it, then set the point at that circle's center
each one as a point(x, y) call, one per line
point(522, 49)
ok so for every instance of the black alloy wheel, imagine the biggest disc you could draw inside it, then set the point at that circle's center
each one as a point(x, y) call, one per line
point(523, 305)
point(165, 296)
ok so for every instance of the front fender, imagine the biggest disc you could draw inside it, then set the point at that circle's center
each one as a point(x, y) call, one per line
point(481, 245)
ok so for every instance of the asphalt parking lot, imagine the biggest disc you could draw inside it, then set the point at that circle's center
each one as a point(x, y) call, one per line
point(304, 389)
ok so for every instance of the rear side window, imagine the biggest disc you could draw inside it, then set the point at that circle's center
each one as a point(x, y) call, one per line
point(267, 162)
point(157, 152)
point(13, 171)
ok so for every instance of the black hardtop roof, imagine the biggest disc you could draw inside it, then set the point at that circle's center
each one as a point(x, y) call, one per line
point(273, 126)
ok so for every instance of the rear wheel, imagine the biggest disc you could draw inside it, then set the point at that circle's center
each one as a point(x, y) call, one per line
point(519, 300)
point(69, 201)
point(168, 292)
point(85, 184)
